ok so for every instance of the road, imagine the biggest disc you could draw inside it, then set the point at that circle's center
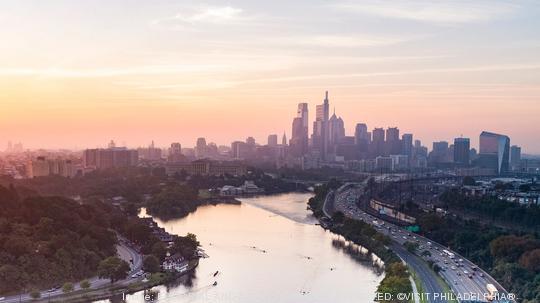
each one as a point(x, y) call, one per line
point(124, 250)
point(464, 277)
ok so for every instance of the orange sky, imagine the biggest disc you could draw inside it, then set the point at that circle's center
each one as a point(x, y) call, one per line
point(173, 72)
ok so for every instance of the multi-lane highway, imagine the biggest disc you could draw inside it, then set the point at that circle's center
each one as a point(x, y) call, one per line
point(124, 250)
point(466, 280)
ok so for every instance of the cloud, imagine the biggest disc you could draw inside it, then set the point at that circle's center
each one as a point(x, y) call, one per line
point(349, 41)
point(60, 72)
point(202, 15)
point(433, 11)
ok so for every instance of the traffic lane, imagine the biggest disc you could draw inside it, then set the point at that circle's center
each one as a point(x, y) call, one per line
point(425, 274)
point(398, 236)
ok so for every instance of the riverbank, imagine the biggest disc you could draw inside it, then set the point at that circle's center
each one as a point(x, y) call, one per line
point(119, 290)
point(397, 277)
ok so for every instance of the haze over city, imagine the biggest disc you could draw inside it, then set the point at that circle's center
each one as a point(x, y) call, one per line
point(76, 74)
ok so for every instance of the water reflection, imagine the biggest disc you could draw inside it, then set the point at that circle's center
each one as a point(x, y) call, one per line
point(269, 250)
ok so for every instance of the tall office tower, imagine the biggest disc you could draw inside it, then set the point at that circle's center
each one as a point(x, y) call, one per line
point(515, 157)
point(272, 140)
point(284, 139)
point(393, 144)
point(297, 142)
point(462, 149)
point(320, 128)
point(299, 135)
point(362, 139)
point(336, 130)
point(494, 152)
point(439, 152)
point(239, 150)
point(378, 141)
point(407, 144)
point(200, 148)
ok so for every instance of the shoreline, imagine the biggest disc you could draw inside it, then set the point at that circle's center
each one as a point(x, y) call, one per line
point(112, 291)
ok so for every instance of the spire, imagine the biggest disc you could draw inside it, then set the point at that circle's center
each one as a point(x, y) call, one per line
point(326, 97)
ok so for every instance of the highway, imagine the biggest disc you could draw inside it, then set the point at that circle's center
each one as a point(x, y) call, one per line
point(124, 250)
point(465, 279)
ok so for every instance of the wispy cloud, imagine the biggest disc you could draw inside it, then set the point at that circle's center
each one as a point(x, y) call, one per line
point(433, 11)
point(202, 15)
point(348, 41)
point(56, 72)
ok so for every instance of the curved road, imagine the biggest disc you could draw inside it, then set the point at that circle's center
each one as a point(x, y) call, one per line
point(462, 276)
point(124, 250)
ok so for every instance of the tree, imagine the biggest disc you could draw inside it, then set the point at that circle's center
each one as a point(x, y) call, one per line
point(411, 246)
point(159, 249)
point(67, 287)
point(35, 294)
point(531, 260)
point(113, 268)
point(186, 246)
point(338, 217)
point(151, 264)
point(85, 284)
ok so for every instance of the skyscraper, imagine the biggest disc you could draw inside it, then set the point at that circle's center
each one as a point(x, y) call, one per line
point(320, 128)
point(462, 149)
point(200, 148)
point(494, 152)
point(362, 139)
point(378, 142)
point(393, 144)
point(336, 130)
point(272, 140)
point(299, 135)
point(515, 157)
point(407, 144)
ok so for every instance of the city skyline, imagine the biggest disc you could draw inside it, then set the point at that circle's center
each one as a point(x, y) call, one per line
point(302, 116)
point(178, 71)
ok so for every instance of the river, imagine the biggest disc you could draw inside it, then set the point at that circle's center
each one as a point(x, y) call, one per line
point(268, 249)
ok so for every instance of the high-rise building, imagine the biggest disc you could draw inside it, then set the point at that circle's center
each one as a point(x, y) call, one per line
point(393, 144)
point(200, 148)
point(362, 139)
point(320, 128)
point(110, 157)
point(378, 141)
point(272, 140)
point(175, 153)
point(407, 144)
point(300, 130)
point(515, 157)
point(239, 150)
point(494, 152)
point(462, 150)
point(336, 130)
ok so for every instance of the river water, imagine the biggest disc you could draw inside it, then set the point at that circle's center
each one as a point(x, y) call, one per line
point(268, 249)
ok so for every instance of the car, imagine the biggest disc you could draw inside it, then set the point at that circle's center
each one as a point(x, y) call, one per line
point(2, 298)
point(481, 275)
point(470, 276)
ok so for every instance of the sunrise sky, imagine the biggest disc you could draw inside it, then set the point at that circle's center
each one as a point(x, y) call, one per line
point(76, 74)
